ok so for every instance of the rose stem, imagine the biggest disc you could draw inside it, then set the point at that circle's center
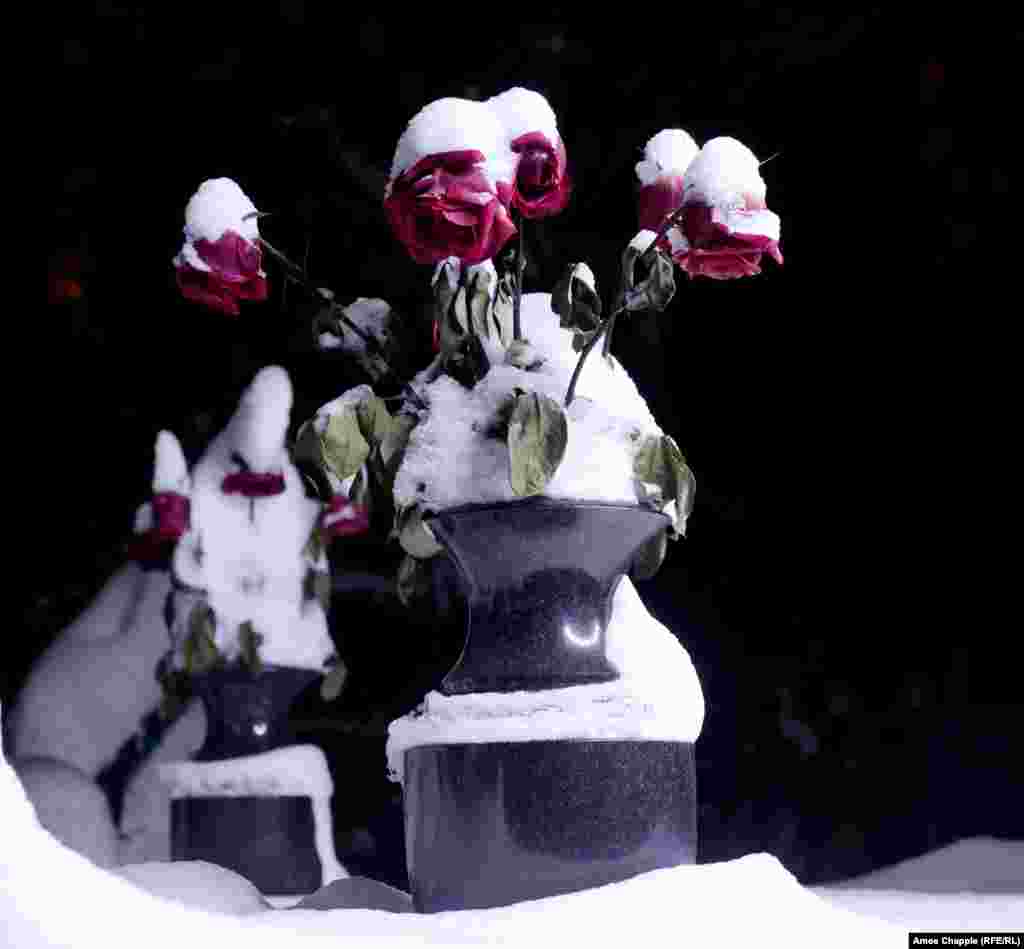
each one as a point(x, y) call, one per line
point(517, 298)
point(299, 277)
point(608, 324)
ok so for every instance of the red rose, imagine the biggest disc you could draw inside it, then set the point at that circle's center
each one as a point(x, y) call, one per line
point(542, 180)
point(725, 244)
point(446, 206)
point(220, 273)
point(343, 518)
point(170, 515)
point(658, 199)
point(253, 484)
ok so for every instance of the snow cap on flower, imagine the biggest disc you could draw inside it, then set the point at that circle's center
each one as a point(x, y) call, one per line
point(667, 153)
point(220, 205)
point(542, 183)
point(666, 157)
point(725, 173)
point(454, 125)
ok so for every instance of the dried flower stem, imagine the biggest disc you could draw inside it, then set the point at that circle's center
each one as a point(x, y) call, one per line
point(609, 324)
point(517, 298)
point(298, 275)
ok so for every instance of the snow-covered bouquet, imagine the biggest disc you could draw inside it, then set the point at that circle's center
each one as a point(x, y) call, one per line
point(505, 409)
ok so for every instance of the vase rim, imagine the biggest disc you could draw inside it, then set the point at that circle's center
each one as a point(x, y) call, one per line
point(543, 502)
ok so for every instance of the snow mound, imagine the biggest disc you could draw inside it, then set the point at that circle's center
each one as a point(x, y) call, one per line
point(71, 806)
point(453, 457)
point(248, 554)
point(87, 693)
point(657, 698)
point(170, 472)
point(198, 884)
point(978, 865)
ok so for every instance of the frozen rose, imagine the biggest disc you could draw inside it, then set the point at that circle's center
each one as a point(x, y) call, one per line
point(542, 179)
point(220, 262)
point(725, 226)
point(221, 273)
point(667, 155)
point(446, 205)
point(166, 519)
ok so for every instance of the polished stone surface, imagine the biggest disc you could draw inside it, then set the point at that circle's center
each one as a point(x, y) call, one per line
point(247, 714)
point(539, 576)
point(496, 823)
point(268, 840)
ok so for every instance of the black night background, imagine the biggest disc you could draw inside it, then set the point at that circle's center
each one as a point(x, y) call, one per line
point(850, 722)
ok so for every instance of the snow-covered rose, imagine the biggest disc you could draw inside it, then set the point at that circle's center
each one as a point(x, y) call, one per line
point(542, 184)
point(666, 157)
point(446, 206)
point(219, 264)
point(451, 184)
point(726, 226)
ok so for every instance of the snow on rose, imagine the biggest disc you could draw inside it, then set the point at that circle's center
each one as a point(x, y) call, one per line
point(220, 263)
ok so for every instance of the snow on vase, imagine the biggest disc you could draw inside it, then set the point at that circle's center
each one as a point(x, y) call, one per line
point(557, 754)
point(250, 635)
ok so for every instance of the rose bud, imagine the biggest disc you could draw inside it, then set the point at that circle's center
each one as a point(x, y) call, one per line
point(219, 263)
point(542, 184)
point(726, 226)
point(451, 182)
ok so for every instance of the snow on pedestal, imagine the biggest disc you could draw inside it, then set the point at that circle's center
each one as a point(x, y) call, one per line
point(295, 771)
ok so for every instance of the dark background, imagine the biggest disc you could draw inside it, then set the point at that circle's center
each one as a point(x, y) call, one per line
point(852, 718)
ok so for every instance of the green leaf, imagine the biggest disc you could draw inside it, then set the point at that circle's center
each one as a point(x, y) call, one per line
point(481, 279)
point(653, 293)
point(249, 642)
point(575, 300)
point(523, 355)
point(343, 445)
point(413, 580)
point(200, 647)
point(334, 681)
point(314, 548)
point(374, 419)
point(660, 464)
point(317, 585)
point(467, 364)
point(538, 433)
point(650, 557)
point(415, 536)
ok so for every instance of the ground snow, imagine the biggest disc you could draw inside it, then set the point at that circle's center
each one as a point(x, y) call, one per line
point(657, 698)
point(170, 471)
point(451, 459)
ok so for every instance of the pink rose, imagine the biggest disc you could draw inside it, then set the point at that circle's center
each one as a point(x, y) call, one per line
point(446, 206)
point(343, 518)
point(220, 273)
point(725, 243)
point(542, 184)
point(253, 484)
point(170, 514)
